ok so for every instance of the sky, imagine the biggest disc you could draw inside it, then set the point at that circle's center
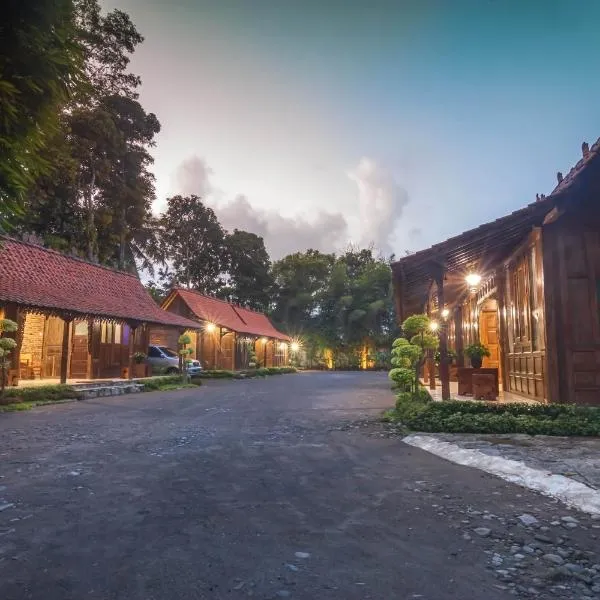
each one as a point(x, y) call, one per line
point(390, 123)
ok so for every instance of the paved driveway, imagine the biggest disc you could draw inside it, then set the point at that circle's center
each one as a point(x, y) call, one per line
point(240, 489)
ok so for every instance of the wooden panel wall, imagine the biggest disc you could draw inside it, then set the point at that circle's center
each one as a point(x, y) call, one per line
point(572, 247)
point(524, 321)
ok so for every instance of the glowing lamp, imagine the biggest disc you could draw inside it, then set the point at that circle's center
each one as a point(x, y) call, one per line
point(445, 313)
point(473, 279)
point(263, 340)
point(434, 325)
point(295, 346)
point(210, 327)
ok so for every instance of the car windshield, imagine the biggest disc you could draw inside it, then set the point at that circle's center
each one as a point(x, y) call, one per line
point(168, 352)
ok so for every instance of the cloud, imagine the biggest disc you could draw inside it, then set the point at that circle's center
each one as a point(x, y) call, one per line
point(324, 231)
point(381, 202)
point(193, 177)
point(284, 235)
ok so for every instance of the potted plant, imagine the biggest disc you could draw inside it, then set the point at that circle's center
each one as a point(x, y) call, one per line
point(140, 368)
point(475, 353)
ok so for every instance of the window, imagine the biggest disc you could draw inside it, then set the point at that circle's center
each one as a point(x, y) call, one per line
point(81, 328)
point(168, 352)
point(117, 337)
point(154, 352)
point(103, 333)
point(126, 332)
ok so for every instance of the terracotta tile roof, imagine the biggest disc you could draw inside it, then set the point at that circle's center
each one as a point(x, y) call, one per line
point(588, 155)
point(210, 309)
point(39, 278)
point(257, 323)
point(227, 315)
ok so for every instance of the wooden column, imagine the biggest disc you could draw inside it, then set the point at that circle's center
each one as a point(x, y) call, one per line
point(458, 333)
point(444, 370)
point(503, 333)
point(431, 369)
point(64, 356)
point(131, 349)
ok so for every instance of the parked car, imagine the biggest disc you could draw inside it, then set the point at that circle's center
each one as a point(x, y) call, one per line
point(166, 360)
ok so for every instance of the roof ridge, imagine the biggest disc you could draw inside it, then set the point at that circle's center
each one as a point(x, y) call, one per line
point(238, 314)
point(183, 289)
point(67, 256)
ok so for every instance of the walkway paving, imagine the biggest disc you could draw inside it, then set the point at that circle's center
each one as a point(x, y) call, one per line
point(285, 487)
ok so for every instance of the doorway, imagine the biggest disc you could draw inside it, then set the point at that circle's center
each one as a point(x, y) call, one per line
point(489, 335)
point(79, 352)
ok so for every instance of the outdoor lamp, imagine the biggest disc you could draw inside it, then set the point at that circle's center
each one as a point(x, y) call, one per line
point(210, 327)
point(434, 325)
point(295, 346)
point(473, 279)
point(445, 313)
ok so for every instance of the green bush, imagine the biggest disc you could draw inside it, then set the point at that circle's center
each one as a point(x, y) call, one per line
point(164, 383)
point(40, 393)
point(482, 417)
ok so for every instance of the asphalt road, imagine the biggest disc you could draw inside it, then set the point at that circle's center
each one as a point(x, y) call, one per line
point(234, 490)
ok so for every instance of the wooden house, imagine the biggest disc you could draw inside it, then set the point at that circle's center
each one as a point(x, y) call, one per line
point(227, 332)
point(527, 286)
point(76, 319)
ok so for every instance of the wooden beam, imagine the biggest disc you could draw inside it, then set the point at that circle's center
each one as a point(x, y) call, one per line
point(131, 351)
point(64, 357)
point(458, 334)
point(504, 346)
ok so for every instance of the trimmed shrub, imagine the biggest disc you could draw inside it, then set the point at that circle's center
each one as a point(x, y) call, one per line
point(166, 382)
point(483, 417)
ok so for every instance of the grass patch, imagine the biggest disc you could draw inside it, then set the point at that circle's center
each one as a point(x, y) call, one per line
point(420, 414)
point(40, 393)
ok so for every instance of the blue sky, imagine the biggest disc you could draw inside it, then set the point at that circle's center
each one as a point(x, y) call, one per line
point(396, 123)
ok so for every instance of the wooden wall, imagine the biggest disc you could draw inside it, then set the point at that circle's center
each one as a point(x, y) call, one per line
point(523, 320)
point(572, 255)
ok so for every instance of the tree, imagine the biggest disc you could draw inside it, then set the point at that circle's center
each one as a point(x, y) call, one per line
point(7, 345)
point(191, 242)
point(249, 278)
point(40, 62)
point(100, 198)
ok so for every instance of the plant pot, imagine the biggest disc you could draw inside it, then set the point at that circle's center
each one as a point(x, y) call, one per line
point(140, 370)
point(476, 362)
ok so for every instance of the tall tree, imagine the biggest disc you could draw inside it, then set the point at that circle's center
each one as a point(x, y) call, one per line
point(191, 242)
point(40, 62)
point(104, 140)
point(249, 279)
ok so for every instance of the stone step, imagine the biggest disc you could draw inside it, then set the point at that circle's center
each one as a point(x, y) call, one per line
point(103, 391)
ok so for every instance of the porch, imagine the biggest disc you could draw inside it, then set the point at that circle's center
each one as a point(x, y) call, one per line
point(503, 397)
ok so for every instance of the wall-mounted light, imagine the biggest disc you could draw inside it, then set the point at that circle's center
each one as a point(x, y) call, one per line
point(434, 325)
point(445, 313)
point(473, 280)
point(295, 346)
point(210, 327)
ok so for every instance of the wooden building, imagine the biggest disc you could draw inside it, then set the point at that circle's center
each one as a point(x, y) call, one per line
point(527, 286)
point(227, 332)
point(76, 319)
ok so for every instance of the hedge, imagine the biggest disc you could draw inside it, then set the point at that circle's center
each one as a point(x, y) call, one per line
point(40, 393)
point(226, 374)
point(454, 416)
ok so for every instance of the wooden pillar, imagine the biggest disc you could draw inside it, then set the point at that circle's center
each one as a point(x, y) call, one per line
point(431, 369)
point(458, 335)
point(131, 349)
point(503, 333)
point(64, 356)
point(444, 370)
